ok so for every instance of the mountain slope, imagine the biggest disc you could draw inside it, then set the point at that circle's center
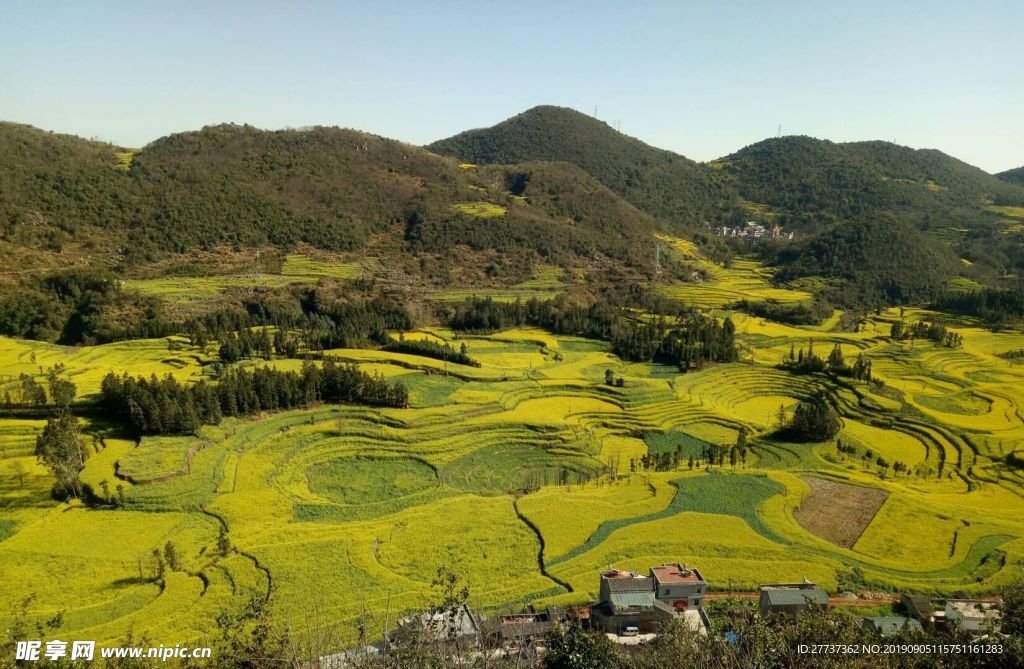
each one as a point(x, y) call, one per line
point(659, 182)
point(877, 259)
point(807, 179)
point(331, 188)
point(1014, 176)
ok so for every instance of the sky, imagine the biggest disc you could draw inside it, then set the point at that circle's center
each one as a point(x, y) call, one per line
point(700, 78)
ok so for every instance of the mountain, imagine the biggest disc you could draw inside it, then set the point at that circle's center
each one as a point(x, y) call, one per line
point(662, 183)
point(810, 185)
point(334, 189)
point(803, 179)
point(1014, 176)
point(548, 186)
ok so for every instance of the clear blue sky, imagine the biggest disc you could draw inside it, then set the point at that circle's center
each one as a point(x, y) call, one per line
point(703, 79)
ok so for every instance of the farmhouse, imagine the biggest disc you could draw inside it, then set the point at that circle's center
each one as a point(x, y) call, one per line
point(520, 629)
point(630, 602)
point(790, 598)
point(887, 626)
point(460, 623)
point(918, 607)
point(677, 584)
point(972, 615)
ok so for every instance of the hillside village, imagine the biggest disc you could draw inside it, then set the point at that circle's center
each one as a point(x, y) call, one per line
point(635, 608)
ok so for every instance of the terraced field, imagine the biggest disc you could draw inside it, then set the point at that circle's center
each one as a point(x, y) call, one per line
point(523, 475)
point(743, 280)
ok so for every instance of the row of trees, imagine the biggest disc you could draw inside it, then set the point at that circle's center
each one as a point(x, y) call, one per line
point(433, 349)
point(809, 362)
point(165, 406)
point(798, 313)
point(307, 320)
point(689, 341)
point(994, 306)
point(29, 391)
point(687, 338)
point(936, 332)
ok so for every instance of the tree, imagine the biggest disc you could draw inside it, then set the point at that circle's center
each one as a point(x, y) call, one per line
point(171, 556)
point(158, 565)
point(18, 473)
point(62, 391)
point(59, 448)
point(814, 420)
point(836, 363)
point(781, 416)
point(609, 377)
point(31, 392)
point(223, 542)
point(571, 647)
point(1013, 609)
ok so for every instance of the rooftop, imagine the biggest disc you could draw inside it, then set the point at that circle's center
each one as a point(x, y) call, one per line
point(633, 599)
point(676, 573)
point(792, 596)
point(806, 585)
point(890, 625)
point(634, 584)
point(972, 608)
point(460, 622)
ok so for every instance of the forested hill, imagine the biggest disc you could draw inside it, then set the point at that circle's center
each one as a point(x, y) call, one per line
point(662, 183)
point(1014, 176)
point(328, 187)
point(811, 180)
point(878, 259)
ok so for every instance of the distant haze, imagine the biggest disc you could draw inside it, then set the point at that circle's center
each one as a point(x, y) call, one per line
point(702, 79)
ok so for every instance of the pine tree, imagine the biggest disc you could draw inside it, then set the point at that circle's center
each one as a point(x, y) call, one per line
point(171, 556)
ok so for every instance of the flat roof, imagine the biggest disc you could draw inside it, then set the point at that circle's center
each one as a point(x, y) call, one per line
point(676, 573)
point(619, 573)
point(974, 609)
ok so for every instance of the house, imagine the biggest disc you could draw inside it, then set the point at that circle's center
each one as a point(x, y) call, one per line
point(679, 586)
point(790, 598)
point(647, 603)
point(887, 626)
point(918, 607)
point(520, 629)
point(972, 615)
point(457, 624)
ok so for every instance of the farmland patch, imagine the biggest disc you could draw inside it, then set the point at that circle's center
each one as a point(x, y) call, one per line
point(364, 480)
point(838, 512)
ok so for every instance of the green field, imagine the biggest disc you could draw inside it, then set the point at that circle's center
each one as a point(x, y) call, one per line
point(529, 459)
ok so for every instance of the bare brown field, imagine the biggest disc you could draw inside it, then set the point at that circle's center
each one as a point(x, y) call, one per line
point(838, 512)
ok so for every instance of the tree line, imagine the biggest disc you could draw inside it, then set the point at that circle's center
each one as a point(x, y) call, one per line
point(432, 349)
point(996, 307)
point(687, 338)
point(166, 406)
point(936, 332)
